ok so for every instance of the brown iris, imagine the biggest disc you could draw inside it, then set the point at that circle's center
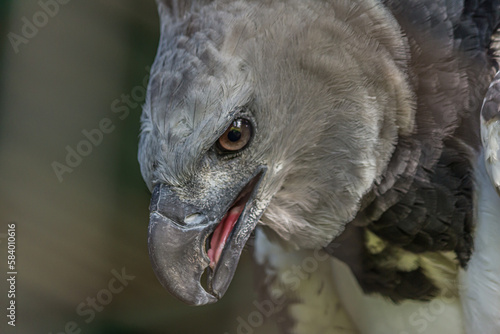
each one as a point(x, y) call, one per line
point(236, 137)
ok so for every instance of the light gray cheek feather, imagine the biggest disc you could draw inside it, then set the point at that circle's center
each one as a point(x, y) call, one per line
point(481, 280)
point(287, 209)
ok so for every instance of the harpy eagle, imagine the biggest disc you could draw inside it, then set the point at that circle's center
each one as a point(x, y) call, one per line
point(351, 128)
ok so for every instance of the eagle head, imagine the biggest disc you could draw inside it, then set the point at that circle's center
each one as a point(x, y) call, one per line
point(262, 114)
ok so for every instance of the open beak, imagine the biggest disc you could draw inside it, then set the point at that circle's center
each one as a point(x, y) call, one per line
point(186, 240)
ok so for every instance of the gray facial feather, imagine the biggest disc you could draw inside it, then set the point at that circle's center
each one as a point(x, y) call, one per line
point(326, 118)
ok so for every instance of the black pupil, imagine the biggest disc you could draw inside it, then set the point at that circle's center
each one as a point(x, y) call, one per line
point(234, 135)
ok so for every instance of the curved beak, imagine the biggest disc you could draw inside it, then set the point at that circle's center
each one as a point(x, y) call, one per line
point(186, 240)
point(178, 258)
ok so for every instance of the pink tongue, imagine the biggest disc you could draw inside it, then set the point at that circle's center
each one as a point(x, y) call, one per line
point(221, 234)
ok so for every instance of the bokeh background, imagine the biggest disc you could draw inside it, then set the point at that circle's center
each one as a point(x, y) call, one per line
point(64, 78)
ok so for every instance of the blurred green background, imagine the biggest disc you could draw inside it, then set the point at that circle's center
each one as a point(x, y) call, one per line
point(58, 80)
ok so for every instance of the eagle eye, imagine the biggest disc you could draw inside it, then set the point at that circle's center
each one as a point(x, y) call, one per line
point(236, 137)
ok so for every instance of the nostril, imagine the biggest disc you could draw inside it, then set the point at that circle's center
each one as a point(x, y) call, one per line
point(193, 218)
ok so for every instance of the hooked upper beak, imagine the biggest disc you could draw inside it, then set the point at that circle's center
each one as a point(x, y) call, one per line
point(186, 240)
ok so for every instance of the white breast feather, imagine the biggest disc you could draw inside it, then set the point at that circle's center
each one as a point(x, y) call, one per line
point(481, 280)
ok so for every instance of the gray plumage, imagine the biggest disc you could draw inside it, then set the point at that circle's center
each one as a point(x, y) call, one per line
point(366, 127)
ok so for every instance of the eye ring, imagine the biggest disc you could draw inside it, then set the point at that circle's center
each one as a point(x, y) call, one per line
point(236, 137)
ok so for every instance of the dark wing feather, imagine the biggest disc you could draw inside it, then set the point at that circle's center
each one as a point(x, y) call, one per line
point(424, 201)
